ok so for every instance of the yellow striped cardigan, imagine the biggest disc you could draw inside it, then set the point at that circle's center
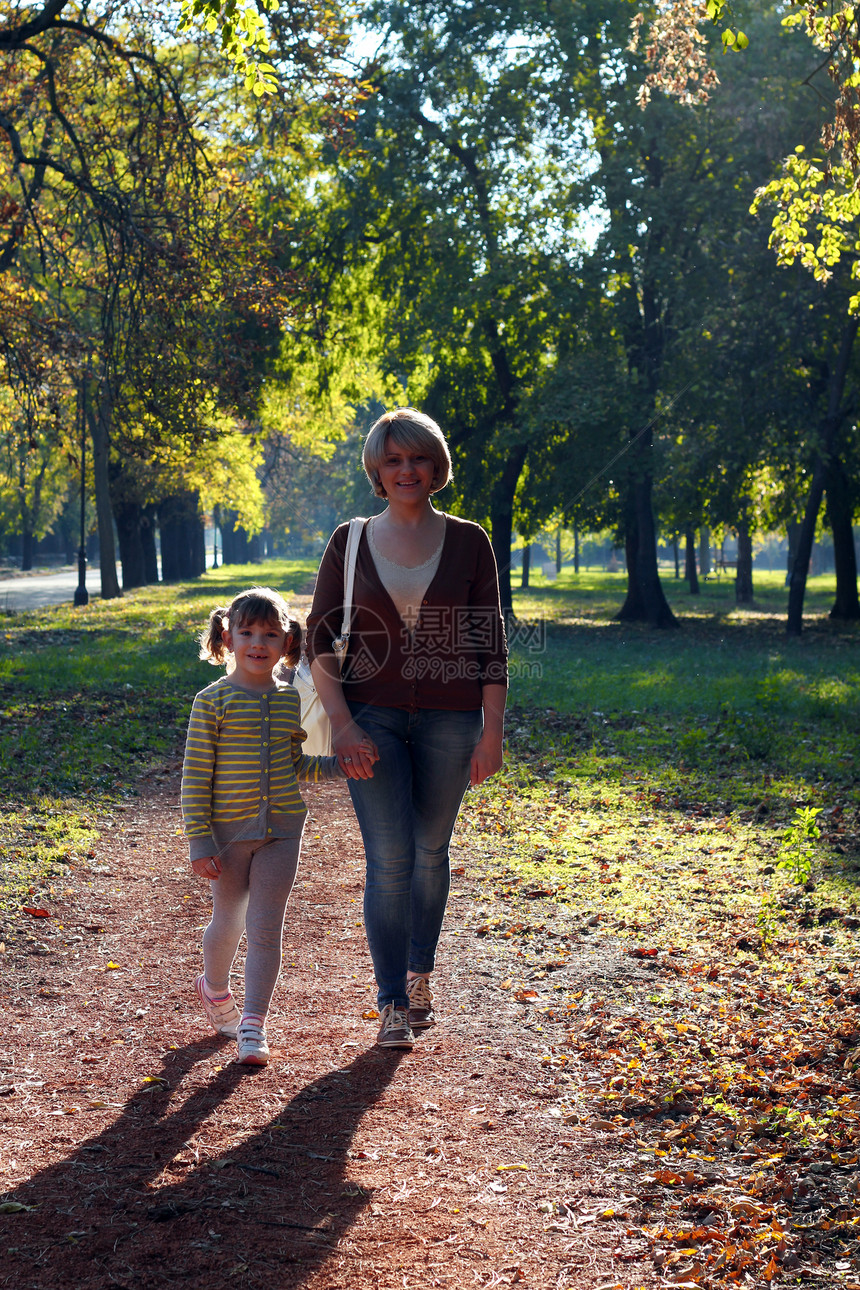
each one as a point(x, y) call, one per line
point(243, 760)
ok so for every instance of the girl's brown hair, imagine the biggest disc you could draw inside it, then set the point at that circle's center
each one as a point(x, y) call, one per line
point(257, 605)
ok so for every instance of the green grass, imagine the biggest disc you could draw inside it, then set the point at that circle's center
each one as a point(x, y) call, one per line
point(726, 696)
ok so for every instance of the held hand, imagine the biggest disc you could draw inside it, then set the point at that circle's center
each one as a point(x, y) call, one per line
point(208, 867)
point(487, 758)
point(355, 752)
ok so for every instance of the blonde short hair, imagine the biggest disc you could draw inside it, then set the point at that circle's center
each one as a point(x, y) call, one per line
point(408, 429)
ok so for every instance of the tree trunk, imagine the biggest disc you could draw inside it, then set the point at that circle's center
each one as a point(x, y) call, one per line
point(128, 520)
point(197, 536)
point(558, 550)
point(744, 579)
point(68, 535)
point(644, 334)
point(149, 522)
point(576, 548)
point(527, 564)
point(234, 540)
point(830, 430)
point(792, 533)
point(645, 599)
point(99, 421)
point(839, 515)
point(690, 573)
point(28, 512)
point(704, 550)
point(502, 521)
point(182, 554)
point(677, 555)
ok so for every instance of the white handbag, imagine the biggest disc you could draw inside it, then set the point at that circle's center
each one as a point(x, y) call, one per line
point(315, 722)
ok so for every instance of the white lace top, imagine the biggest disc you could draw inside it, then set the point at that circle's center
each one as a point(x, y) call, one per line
point(406, 586)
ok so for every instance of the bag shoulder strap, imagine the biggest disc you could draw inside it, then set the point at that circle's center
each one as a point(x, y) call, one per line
point(356, 527)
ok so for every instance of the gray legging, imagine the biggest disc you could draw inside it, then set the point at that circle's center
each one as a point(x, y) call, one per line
point(250, 896)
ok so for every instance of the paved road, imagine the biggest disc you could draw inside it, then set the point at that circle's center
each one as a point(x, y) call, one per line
point(19, 594)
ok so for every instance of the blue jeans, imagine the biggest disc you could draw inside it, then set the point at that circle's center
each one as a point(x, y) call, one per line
point(406, 814)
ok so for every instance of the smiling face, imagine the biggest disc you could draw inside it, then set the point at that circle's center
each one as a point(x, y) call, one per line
point(414, 434)
point(407, 474)
point(257, 648)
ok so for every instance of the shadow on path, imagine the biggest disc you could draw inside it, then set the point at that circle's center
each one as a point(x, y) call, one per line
point(143, 1207)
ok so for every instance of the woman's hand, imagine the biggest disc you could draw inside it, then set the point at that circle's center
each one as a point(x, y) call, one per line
point(487, 758)
point(208, 867)
point(355, 752)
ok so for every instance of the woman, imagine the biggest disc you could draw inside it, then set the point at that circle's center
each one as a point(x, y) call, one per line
point(425, 681)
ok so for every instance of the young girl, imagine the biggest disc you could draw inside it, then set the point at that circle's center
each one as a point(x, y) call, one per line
point(242, 808)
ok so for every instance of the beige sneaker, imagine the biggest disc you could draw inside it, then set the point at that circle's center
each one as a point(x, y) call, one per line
point(421, 1014)
point(222, 1014)
point(395, 1031)
point(253, 1048)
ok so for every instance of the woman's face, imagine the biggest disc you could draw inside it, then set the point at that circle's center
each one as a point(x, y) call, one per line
point(407, 474)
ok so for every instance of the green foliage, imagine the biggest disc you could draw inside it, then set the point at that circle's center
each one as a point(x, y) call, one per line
point(243, 35)
point(735, 39)
point(816, 222)
point(797, 851)
point(35, 469)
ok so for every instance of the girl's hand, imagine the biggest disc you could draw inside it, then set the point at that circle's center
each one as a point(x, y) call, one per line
point(208, 867)
point(487, 758)
point(355, 752)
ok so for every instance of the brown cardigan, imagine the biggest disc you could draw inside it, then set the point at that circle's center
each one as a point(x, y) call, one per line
point(458, 645)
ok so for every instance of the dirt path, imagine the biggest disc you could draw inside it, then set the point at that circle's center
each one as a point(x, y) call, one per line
point(135, 1153)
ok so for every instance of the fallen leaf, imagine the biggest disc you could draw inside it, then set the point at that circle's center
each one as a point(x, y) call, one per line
point(505, 1168)
point(34, 912)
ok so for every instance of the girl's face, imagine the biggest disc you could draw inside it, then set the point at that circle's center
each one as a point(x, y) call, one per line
point(258, 649)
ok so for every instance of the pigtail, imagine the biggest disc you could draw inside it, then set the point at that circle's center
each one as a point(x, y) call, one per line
point(293, 644)
point(212, 645)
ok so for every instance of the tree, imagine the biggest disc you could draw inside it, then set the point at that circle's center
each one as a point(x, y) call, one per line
point(434, 200)
point(126, 206)
point(830, 208)
point(36, 402)
point(34, 467)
